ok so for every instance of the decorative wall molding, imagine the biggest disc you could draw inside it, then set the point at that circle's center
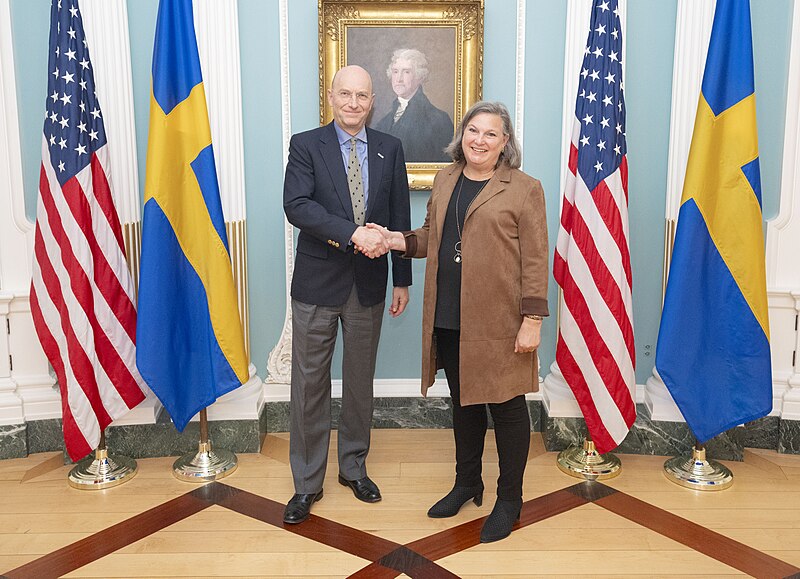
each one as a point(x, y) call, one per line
point(279, 363)
point(519, 104)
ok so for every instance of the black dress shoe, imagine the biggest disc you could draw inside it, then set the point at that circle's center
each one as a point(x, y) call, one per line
point(364, 489)
point(299, 507)
point(451, 503)
point(499, 523)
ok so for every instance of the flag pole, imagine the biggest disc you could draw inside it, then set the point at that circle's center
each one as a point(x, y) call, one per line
point(206, 464)
point(697, 472)
point(585, 462)
point(102, 470)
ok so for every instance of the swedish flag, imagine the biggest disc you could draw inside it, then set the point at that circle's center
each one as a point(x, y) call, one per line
point(190, 345)
point(713, 349)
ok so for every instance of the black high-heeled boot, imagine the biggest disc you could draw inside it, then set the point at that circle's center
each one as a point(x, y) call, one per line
point(451, 503)
point(502, 518)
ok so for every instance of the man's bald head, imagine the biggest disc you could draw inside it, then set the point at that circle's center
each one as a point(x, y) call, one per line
point(351, 73)
point(351, 98)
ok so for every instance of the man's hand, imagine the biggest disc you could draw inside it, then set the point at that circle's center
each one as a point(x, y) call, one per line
point(394, 239)
point(399, 301)
point(369, 242)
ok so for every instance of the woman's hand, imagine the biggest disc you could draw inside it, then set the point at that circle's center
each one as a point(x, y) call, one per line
point(394, 239)
point(529, 336)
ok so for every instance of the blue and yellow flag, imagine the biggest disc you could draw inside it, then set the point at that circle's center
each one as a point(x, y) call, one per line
point(189, 336)
point(713, 345)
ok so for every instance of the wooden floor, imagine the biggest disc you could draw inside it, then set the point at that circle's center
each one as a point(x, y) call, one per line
point(638, 524)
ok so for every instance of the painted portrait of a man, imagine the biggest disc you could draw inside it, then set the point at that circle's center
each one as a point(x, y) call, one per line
point(424, 129)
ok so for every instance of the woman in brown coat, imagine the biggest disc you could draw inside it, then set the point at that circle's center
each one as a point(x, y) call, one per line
point(485, 237)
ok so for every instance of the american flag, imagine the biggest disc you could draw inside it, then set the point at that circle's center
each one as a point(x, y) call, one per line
point(82, 294)
point(595, 350)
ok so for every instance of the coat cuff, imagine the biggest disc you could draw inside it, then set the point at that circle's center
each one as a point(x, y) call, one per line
point(411, 244)
point(537, 306)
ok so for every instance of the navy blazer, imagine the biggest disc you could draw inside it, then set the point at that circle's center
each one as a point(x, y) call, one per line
point(316, 200)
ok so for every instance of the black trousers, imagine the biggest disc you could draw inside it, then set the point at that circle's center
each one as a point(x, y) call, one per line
point(512, 428)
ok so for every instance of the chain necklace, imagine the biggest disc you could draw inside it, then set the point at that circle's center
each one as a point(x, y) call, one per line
point(457, 257)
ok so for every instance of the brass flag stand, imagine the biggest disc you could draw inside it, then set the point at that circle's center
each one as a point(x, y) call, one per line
point(585, 462)
point(697, 472)
point(206, 464)
point(102, 470)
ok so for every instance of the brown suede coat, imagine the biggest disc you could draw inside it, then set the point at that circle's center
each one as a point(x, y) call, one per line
point(504, 275)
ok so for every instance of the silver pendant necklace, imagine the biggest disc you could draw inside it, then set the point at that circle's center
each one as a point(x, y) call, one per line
point(457, 257)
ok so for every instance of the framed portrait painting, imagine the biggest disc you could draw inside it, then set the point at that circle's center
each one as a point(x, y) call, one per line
point(426, 61)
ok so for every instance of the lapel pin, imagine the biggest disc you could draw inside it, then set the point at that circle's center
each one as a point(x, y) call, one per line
point(380, 155)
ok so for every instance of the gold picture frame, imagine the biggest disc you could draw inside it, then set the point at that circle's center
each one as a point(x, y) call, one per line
point(367, 32)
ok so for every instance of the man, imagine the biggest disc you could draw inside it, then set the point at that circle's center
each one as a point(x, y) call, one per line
point(424, 130)
point(339, 177)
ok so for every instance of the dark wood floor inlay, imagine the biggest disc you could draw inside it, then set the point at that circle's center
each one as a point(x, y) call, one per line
point(93, 547)
point(710, 543)
point(591, 490)
point(416, 559)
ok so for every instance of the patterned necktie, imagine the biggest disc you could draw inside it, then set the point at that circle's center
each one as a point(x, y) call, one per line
point(401, 108)
point(355, 184)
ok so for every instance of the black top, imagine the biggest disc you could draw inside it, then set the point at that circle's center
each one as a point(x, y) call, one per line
point(448, 280)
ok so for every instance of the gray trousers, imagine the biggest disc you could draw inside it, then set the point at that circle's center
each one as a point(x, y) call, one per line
point(314, 330)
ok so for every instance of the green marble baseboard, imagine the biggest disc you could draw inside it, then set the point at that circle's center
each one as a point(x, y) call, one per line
point(12, 441)
point(789, 437)
point(137, 441)
point(407, 412)
point(242, 436)
point(667, 438)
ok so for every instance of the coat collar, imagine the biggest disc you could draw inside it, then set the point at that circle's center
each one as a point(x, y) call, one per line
point(450, 176)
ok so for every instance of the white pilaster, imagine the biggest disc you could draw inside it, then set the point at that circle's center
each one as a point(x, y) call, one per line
point(693, 31)
point(25, 382)
point(519, 108)
point(556, 394)
point(217, 26)
point(106, 26)
point(10, 404)
point(279, 363)
point(783, 239)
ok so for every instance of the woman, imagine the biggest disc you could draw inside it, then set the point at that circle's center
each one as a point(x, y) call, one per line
point(485, 238)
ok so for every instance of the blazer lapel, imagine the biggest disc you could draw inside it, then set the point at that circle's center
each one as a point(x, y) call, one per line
point(447, 184)
point(332, 155)
point(376, 161)
point(496, 184)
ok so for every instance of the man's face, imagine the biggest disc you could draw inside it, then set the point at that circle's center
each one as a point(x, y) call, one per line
point(404, 79)
point(351, 98)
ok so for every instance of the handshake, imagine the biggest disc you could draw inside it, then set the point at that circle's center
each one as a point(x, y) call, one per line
point(374, 240)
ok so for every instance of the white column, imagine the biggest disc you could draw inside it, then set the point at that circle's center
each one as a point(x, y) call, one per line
point(26, 387)
point(279, 363)
point(559, 402)
point(693, 31)
point(217, 27)
point(783, 239)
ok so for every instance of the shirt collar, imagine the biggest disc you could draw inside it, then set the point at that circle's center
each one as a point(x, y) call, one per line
point(344, 136)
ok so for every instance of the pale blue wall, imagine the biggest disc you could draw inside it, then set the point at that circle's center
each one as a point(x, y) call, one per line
point(650, 43)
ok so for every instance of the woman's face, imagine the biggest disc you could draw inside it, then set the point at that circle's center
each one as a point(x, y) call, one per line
point(483, 141)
